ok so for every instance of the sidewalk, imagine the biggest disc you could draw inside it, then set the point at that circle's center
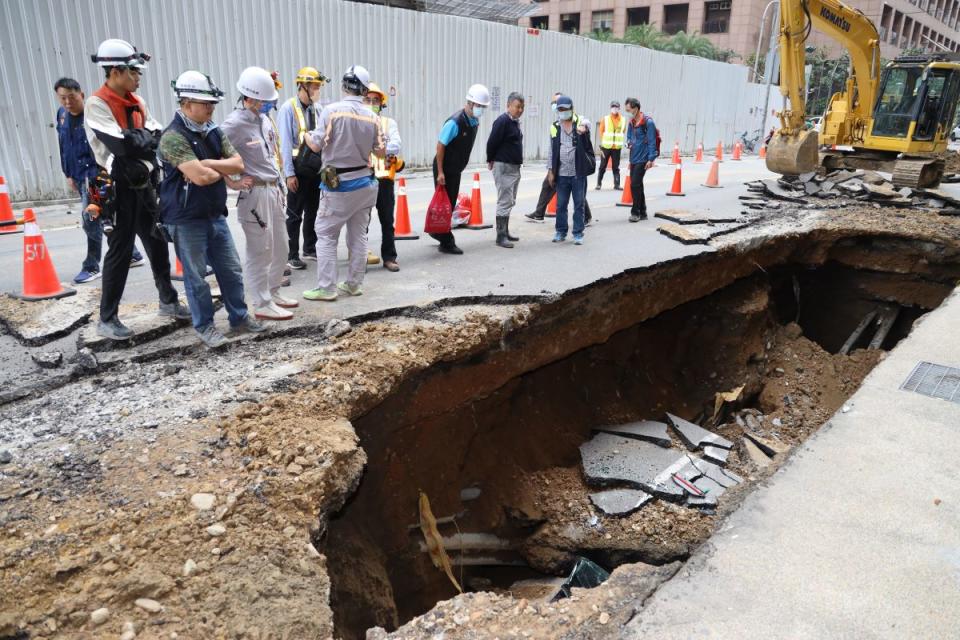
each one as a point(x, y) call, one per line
point(858, 536)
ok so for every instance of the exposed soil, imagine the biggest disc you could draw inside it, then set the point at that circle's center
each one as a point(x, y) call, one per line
point(96, 509)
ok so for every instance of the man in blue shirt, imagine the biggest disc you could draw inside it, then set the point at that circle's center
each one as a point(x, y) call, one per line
point(642, 141)
point(79, 167)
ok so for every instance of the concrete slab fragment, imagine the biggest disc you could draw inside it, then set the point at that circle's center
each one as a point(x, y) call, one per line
point(719, 475)
point(682, 216)
point(756, 456)
point(649, 430)
point(620, 502)
point(608, 460)
point(38, 323)
point(710, 487)
point(142, 319)
point(717, 455)
point(769, 446)
point(695, 436)
point(682, 234)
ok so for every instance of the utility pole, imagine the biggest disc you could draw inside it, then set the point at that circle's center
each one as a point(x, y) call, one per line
point(772, 65)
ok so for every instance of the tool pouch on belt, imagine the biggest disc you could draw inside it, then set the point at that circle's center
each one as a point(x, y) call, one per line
point(307, 162)
point(329, 177)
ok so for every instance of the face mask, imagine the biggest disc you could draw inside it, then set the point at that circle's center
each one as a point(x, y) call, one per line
point(375, 108)
point(565, 115)
point(477, 111)
point(615, 110)
point(266, 107)
point(202, 129)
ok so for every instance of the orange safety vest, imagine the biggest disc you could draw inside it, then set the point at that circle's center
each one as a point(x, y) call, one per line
point(383, 170)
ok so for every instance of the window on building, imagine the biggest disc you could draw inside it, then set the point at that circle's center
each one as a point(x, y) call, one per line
point(638, 16)
point(603, 20)
point(675, 18)
point(540, 22)
point(716, 16)
point(570, 22)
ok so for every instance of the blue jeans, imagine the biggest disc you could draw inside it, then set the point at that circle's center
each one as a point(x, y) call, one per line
point(94, 230)
point(578, 187)
point(209, 242)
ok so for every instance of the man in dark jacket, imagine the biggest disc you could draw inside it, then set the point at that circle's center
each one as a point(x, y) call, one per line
point(642, 141)
point(454, 146)
point(571, 159)
point(504, 158)
point(80, 168)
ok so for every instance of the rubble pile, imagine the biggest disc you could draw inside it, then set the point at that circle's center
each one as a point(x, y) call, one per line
point(843, 188)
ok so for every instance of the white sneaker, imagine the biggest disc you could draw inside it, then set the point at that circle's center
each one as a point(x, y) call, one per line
point(271, 311)
point(283, 301)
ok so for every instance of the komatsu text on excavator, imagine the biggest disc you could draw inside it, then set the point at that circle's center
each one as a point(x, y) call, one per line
point(897, 122)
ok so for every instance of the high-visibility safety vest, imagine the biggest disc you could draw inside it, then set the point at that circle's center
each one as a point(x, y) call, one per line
point(301, 123)
point(380, 167)
point(613, 134)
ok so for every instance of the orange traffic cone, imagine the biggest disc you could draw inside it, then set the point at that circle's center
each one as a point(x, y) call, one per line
point(737, 151)
point(626, 200)
point(676, 189)
point(402, 229)
point(713, 179)
point(763, 152)
point(40, 281)
point(552, 207)
point(177, 270)
point(675, 159)
point(476, 209)
point(609, 162)
point(833, 147)
point(719, 152)
point(699, 157)
point(7, 221)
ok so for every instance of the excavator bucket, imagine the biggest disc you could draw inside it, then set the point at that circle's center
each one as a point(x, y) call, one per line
point(791, 155)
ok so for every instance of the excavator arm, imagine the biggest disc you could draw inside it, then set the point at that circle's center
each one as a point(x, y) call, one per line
point(793, 149)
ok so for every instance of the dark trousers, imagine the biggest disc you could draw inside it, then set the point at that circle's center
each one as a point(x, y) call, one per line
point(386, 201)
point(546, 195)
point(639, 207)
point(453, 190)
point(607, 154)
point(134, 218)
point(302, 207)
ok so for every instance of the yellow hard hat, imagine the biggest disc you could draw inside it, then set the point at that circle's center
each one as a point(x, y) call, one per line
point(374, 88)
point(310, 74)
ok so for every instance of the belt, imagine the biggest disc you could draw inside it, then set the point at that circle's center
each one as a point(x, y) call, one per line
point(266, 183)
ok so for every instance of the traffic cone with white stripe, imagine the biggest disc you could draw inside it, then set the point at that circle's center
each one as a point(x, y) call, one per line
point(402, 229)
point(626, 200)
point(675, 159)
point(699, 157)
point(676, 189)
point(737, 150)
point(713, 179)
point(40, 281)
point(8, 224)
point(476, 207)
point(719, 153)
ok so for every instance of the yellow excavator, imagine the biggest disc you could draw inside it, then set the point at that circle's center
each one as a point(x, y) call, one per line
point(897, 122)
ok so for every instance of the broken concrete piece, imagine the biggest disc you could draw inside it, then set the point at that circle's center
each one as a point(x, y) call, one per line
point(682, 234)
point(682, 216)
point(811, 188)
point(769, 446)
point(880, 190)
point(706, 502)
point(48, 359)
point(37, 323)
point(608, 459)
point(757, 456)
point(142, 319)
point(695, 436)
point(620, 502)
point(717, 455)
point(807, 177)
point(719, 475)
point(649, 430)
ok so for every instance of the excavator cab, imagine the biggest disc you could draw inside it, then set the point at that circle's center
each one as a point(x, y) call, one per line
point(916, 103)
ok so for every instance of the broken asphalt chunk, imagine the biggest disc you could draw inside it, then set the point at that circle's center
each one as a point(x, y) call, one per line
point(756, 456)
point(620, 502)
point(609, 460)
point(649, 430)
point(769, 446)
point(695, 436)
point(717, 455)
point(719, 475)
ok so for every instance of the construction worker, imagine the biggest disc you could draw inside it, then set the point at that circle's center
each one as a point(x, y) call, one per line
point(642, 141)
point(80, 170)
point(301, 167)
point(385, 170)
point(504, 158)
point(197, 158)
point(547, 191)
point(347, 133)
point(454, 146)
point(570, 159)
point(613, 128)
point(260, 207)
point(123, 137)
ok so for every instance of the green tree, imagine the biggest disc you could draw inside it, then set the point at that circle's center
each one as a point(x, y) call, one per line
point(645, 35)
point(690, 44)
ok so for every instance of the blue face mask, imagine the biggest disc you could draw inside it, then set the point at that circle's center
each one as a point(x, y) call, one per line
point(267, 107)
point(565, 115)
point(202, 129)
point(477, 111)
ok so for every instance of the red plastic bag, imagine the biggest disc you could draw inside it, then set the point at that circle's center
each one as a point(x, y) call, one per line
point(439, 213)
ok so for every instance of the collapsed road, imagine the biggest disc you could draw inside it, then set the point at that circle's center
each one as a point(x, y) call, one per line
point(271, 490)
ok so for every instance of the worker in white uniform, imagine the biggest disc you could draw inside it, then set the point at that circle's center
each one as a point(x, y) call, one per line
point(347, 133)
point(261, 203)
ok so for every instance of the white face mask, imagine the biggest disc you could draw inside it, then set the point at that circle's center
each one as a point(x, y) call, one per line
point(477, 110)
point(615, 110)
point(565, 115)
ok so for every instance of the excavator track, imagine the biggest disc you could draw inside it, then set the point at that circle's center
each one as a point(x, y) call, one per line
point(907, 171)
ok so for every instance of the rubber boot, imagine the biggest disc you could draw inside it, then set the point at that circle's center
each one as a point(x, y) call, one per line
point(502, 234)
point(506, 229)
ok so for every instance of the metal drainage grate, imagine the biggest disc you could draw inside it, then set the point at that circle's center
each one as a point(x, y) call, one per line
point(934, 380)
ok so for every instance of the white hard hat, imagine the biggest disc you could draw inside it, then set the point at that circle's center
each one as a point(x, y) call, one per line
point(479, 94)
point(258, 84)
point(119, 53)
point(197, 86)
point(357, 77)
